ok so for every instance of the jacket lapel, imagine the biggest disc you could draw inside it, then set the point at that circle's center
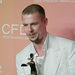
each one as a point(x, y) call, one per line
point(52, 61)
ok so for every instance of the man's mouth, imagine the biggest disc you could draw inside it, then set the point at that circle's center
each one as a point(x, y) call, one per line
point(32, 35)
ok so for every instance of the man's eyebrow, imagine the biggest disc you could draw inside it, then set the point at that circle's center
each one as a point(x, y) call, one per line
point(34, 23)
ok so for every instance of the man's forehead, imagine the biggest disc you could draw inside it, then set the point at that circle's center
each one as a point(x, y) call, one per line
point(26, 16)
point(31, 15)
point(28, 19)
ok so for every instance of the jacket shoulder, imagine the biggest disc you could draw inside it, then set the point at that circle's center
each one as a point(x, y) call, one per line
point(24, 51)
point(60, 42)
point(64, 40)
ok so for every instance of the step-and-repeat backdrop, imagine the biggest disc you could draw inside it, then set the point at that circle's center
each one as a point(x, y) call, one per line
point(61, 22)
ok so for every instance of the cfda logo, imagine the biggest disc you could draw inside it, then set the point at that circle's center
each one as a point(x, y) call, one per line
point(0, 1)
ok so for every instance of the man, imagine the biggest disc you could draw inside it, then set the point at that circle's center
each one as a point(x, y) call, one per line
point(52, 55)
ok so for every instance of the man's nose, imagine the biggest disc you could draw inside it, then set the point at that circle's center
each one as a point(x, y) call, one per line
point(30, 29)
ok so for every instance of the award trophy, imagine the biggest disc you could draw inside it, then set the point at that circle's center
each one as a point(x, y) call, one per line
point(32, 65)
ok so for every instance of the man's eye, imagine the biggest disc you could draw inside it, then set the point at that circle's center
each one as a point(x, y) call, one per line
point(34, 23)
point(25, 24)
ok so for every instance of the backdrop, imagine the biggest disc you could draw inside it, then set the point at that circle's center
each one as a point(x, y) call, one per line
point(61, 22)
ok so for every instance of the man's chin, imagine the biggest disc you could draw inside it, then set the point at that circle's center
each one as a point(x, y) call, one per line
point(36, 40)
point(33, 40)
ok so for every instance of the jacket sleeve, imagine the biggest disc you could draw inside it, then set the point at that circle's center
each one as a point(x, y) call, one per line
point(72, 60)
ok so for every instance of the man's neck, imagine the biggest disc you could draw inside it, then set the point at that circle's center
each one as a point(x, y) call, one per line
point(38, 47)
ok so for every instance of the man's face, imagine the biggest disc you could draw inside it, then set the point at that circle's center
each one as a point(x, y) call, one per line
point(34, 26)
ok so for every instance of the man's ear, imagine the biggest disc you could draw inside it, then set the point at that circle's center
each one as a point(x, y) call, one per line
point(46, 21)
